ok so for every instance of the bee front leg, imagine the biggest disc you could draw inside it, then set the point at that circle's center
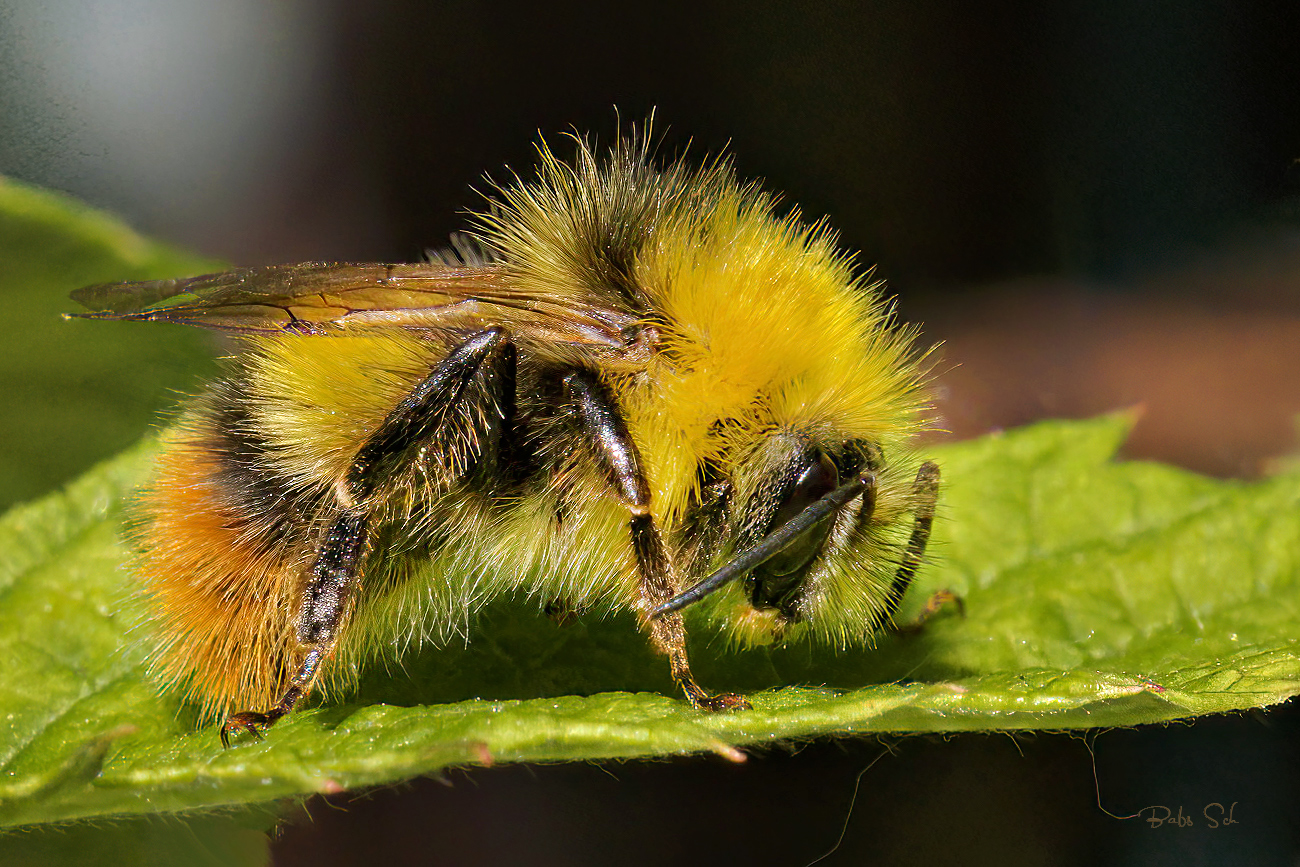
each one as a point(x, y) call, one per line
point(481, 419)
point(606, 432)
point(925, 495)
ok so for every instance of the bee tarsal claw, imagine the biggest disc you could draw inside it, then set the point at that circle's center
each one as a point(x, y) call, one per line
point(249, 721)
point(727, 702)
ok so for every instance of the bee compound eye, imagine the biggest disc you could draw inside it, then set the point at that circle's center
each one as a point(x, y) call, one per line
point(776, 582)
point(817, 478)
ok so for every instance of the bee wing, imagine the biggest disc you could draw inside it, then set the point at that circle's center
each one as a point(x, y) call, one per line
point(320, 298)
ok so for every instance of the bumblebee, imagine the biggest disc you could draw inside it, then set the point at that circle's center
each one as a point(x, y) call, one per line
point(629, 386)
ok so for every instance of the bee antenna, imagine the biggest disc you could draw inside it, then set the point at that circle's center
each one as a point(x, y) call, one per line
point(770, 546)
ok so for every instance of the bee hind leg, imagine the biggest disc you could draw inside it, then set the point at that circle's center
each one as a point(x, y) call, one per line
point(606, 432)
point(324, 603)
point(480, 370)
point(255, 723)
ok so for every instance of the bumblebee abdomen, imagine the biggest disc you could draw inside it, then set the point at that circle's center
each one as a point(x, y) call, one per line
point(223, 592)
point(243, 491)
point(250, 482)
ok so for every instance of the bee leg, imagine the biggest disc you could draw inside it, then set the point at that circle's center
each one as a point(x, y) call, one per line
point(487, 357)
point(925, 494)
point(324, 601)
point(563, 612)
point(255, 723)
point(938, 600)
point(606, 432)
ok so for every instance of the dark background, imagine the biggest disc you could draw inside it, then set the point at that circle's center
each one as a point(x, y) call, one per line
point(1092, 205)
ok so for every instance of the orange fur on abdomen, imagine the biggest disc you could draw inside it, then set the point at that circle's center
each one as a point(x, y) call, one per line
point(224, 605)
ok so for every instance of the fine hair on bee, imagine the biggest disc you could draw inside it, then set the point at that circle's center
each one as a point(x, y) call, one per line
point(632, 385)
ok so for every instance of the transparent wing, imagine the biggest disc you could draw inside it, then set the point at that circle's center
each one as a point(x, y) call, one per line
point(320, 298)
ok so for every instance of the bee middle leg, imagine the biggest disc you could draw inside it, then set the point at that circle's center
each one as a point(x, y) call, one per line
point(443, 397)
point(605, 430)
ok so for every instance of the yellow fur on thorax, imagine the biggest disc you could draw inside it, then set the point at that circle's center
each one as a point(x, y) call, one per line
point(768, 328)
point(762, 325)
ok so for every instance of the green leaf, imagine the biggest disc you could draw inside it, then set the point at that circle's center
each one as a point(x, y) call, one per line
point(1097, 593)
point(77, 392)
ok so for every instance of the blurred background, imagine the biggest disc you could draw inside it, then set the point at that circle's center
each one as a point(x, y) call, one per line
point(1091, 205)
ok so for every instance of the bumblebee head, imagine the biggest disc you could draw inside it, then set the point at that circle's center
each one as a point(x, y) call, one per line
point(810, 530)
point(779, 581)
